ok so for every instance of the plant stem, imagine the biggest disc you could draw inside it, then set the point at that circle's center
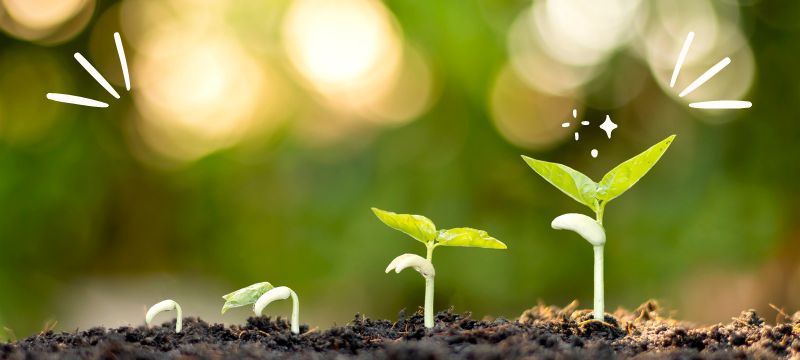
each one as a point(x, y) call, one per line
point(428, 310)
point(179, 318)
point(599, 293)
point(601, 208)
point(599, 296)
point(429, 302)
point(295, 313)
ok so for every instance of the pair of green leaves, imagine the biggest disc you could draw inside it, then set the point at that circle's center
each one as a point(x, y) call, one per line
point(581, 188)
point(245, 296)
point(423, 229)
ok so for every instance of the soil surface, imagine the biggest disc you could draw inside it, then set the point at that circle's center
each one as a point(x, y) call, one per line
point(543, 332)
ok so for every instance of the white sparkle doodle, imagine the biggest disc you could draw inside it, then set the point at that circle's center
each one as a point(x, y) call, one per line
point(714, 104)
point(681, 58)
point(82, 101)
point(574, 116)
point(608, 126)
point(721, 104)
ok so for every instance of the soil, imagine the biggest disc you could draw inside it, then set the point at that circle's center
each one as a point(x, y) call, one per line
point(545, 332)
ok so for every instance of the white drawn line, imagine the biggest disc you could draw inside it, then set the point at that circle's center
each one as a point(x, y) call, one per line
point(122, 61)
point(96, 75)
point(681, 58)
point(706, 76)
point(76, 100)
point(721, 104)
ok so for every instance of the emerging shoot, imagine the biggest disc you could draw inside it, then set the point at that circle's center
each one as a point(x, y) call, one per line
point(260, 295)
point(423, 230)
point(596, 195)
point(166, 305)
point(280, 293)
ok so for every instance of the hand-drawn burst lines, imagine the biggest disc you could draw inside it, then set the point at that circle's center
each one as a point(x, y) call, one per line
point(78, 100)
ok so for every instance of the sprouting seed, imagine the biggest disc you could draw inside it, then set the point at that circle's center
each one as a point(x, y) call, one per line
point(166, 305)
point(280, 293)
point(260, 295)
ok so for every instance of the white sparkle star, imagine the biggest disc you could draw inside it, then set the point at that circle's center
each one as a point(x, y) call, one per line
point(608, 126)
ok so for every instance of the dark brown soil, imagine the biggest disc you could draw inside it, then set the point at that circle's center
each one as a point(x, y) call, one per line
point(541, 332)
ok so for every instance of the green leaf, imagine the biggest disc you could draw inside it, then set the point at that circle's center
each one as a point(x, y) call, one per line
point(245, 296)
point(416, 226)
point(622, 177)
point(572, 182)
point(469, 237)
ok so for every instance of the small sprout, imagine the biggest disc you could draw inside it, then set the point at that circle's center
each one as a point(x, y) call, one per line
point(166, 305)
point(596, 195)
point(245, 296)
point(280, 293)
point(423, 230)
point(260, 295)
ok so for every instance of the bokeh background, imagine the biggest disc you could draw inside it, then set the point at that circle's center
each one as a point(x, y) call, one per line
point(258, 134)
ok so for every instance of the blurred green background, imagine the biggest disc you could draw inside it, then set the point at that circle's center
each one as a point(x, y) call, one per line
point(257, 134)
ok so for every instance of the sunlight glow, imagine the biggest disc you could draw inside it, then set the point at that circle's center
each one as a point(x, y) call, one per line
point(342, 45)
point(197, 92)
point(45, 19)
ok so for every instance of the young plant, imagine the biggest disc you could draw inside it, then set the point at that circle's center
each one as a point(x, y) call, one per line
point(423, 230)
point(166, 305)
point(261, 294)
point(596, 195)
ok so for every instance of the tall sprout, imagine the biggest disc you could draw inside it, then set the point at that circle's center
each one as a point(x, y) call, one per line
point(596, 195)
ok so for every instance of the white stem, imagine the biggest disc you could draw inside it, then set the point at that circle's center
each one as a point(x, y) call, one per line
point(280, 293)
point(429, 302)
point(295, 313)
point(426, 269)
point(166, 305)
point(599, 296)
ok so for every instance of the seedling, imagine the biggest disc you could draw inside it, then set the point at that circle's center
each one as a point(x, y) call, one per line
point(423, 230)
point(166, 305)
point(261, 294)
point(596, 195)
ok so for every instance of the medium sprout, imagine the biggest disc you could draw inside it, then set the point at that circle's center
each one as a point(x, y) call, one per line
point(166, 305)
point(596, 195)
point(423, 230)
point(260, 295)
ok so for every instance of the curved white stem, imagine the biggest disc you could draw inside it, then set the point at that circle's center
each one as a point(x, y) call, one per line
point(281, 293)
point(418, 263)
point(586, 227)
point(166, 305)
point(591, 230)
point(426, 269)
